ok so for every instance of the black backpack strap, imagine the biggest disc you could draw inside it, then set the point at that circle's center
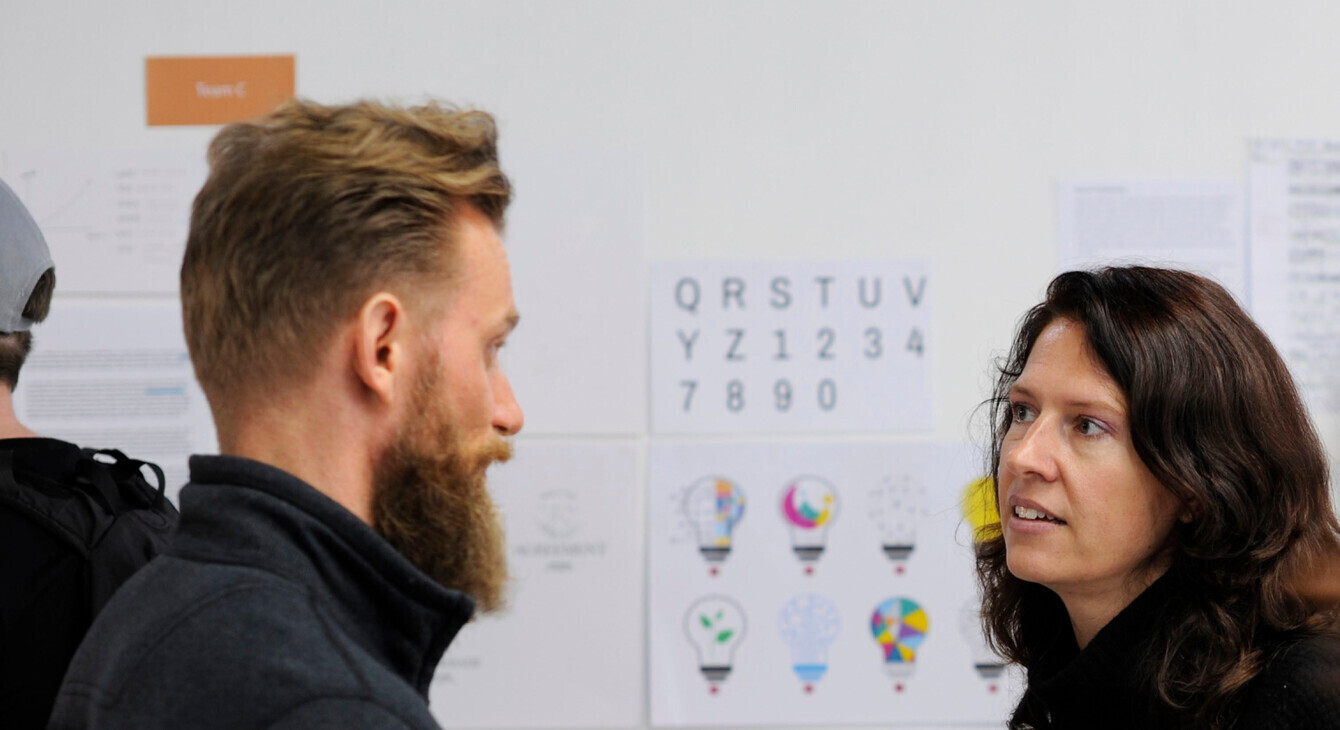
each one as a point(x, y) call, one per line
point(120, 480)
point(72, 515)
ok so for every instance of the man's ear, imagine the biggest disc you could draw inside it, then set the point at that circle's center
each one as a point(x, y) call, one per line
point(380, 338)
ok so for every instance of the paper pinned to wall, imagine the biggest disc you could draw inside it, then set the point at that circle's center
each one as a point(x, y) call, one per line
point(816, 584)
point(569, 651)
point(1295, 232)
point(116, 220)
point(117, 375)
point(578, 362)
point(761, 346)
point(1193, 225)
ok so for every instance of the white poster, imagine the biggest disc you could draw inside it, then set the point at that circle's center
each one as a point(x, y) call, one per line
point(816, 584)
point(1295, 233)
point(116, 374)
point(115, 220)
point(569, 652)
point(791, 346)
point(1197, 226)
point(578, 362)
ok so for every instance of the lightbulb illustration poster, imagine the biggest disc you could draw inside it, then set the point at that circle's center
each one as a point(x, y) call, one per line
point(844, 596)
point(570, 643)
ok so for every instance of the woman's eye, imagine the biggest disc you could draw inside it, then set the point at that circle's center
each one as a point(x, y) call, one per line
point(1089, 427)
point(1020, 412)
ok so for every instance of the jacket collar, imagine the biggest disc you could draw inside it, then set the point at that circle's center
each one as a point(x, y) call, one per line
point(1099, 686)
point(240, 511)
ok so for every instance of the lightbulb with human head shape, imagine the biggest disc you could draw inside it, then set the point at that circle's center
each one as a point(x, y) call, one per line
point(894, 511)
point(809, 624)
point(714, 506)
point(810, 506)
point(715, 626)
point(899, 625)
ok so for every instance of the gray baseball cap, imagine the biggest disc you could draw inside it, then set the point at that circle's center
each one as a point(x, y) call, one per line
point(23, 259)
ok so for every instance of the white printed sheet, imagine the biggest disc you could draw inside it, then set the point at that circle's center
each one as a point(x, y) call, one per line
point(115, 220)
point(1194, 225)
point(1295, 230)
point(815, 584)
point(791, 347)
point(116, 374)
point(569, 652)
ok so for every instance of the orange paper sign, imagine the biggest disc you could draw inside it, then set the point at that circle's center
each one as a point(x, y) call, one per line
point(214, 89)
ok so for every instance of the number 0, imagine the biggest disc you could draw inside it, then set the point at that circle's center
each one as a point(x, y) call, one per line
point(827, 394)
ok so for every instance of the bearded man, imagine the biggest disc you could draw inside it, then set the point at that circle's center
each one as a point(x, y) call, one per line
point(345, 294)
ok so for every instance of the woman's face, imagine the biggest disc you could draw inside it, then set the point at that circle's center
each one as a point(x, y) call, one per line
point(1081, 513)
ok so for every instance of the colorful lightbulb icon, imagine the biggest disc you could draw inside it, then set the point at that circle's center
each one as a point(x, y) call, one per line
point(809, 624)
point(715, 625)
point(899, 625)
point(714, 506)
point(988, 664)
point(894, 511)
point(810, 506)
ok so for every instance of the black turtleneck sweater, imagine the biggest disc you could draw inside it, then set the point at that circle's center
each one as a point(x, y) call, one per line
point(275, 608)
point(1099, 687)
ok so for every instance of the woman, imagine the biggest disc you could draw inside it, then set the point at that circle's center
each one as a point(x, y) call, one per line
point(1161, 488)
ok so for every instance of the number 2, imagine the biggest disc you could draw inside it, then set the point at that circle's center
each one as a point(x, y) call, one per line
point(827, 336)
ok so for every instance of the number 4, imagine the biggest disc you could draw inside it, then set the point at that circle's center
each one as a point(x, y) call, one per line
point(916, 343)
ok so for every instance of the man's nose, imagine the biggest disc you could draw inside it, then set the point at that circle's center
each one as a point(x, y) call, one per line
point(507, 416)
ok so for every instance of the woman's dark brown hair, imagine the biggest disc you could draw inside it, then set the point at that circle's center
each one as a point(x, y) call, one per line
point(1216, 417)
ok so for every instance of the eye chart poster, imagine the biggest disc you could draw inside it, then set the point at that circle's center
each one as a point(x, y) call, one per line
point(791, 346)
point(816, 584)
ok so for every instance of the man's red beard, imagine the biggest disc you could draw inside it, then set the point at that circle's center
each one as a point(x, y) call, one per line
point(431, 503)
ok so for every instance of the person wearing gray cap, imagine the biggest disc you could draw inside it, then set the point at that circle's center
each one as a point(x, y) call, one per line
point(65, 537)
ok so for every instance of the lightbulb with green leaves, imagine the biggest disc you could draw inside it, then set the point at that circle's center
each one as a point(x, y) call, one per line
point(715, 626)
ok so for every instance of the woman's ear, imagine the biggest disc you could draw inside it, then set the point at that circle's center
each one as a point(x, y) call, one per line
point(1188, 513)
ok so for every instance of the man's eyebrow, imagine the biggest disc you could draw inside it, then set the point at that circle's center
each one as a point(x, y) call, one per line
point(513, 319)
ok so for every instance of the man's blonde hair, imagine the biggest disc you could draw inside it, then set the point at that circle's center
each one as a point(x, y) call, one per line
point(310, 210)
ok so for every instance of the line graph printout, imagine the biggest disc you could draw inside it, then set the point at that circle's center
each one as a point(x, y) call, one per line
point(117, 375)
point(116, 220)
point(1295, 259)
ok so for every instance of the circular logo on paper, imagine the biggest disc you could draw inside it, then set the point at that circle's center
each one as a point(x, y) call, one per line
point(559, 514)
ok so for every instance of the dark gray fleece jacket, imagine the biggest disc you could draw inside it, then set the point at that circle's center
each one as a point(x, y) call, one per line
point(275, 608)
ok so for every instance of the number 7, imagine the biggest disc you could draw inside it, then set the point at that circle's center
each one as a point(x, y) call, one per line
point(690, 386)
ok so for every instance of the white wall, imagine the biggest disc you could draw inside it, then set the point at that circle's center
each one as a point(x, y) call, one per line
point(930, 130)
